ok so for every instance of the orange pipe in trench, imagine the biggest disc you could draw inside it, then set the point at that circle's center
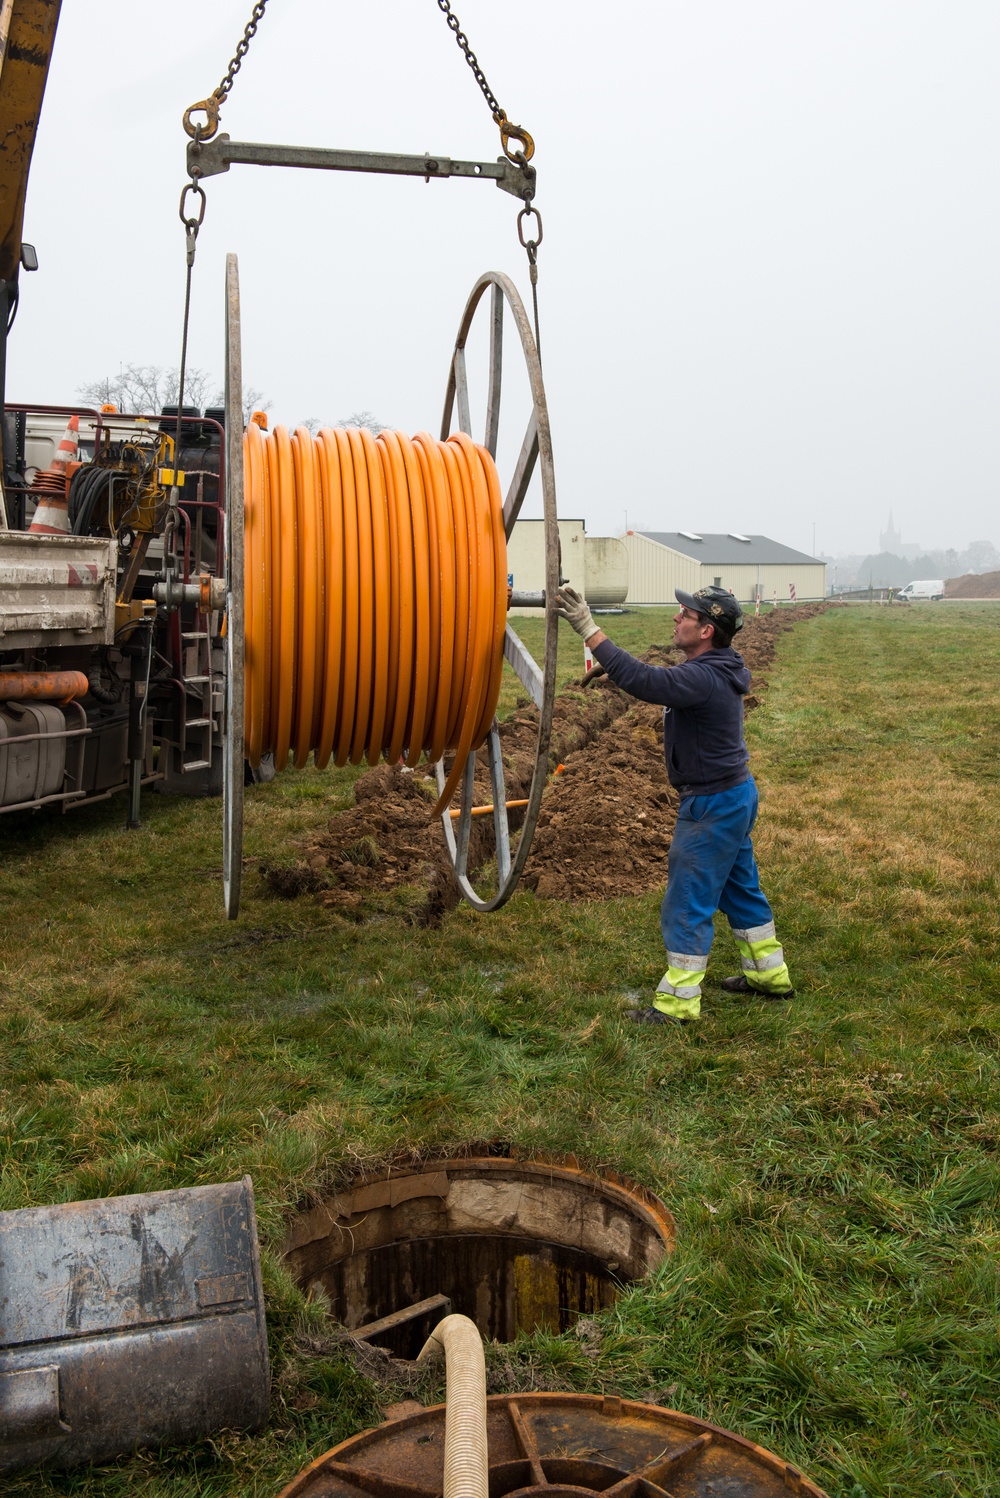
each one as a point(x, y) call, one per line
point(42, 686)
point(482, 811)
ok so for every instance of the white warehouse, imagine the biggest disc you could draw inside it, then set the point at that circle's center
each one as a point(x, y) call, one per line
point(660, 561)
point(596, 565)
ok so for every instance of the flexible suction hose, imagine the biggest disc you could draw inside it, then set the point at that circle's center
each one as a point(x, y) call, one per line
point(375, 597)
point(466, 1460)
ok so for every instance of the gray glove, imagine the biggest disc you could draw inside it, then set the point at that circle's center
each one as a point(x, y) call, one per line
point(573, 608)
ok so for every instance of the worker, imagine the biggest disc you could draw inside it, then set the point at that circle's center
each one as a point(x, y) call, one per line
point(711, 864)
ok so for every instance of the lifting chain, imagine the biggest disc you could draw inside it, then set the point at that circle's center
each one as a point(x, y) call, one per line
point(192, 213)
point(193, 204)
point(217, 97)
point(508, 132)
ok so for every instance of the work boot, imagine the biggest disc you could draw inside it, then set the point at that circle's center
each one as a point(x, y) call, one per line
point(653, 1016)
point(739, 984)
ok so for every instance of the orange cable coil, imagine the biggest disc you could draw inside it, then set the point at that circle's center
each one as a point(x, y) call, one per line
point(376, 596)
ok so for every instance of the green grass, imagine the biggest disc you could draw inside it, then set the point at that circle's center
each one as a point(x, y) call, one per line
point(832, 1164)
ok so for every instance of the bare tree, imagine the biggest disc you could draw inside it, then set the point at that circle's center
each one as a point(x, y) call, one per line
point(364, 419)
point(144, 389)
point(980, 556)
point(140, 389)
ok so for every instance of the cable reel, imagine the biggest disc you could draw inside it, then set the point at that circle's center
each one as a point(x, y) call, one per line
point(365, 577)
point(367, 598)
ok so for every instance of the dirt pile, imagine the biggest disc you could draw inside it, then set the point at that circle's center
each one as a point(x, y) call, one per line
point(390, 838)
point(605, 824)
point(973, 585)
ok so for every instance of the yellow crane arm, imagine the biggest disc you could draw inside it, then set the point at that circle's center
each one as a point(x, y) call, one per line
point(27, 32)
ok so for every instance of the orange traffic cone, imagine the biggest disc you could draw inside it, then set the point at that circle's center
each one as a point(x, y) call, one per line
point(51, 488)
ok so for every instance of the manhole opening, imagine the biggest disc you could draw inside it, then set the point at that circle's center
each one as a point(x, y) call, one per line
point(516, 1245)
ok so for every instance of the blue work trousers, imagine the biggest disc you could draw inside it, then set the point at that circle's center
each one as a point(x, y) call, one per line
point(711, 867)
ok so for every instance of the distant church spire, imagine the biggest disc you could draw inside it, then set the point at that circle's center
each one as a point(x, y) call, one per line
point(890, 539)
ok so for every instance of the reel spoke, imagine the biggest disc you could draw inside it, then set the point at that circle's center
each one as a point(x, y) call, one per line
point(496, 371)
point(233, 745)
point(501, 830)
point(465, 820)
point(462, 393)
point(523, 471)
point(528, 674)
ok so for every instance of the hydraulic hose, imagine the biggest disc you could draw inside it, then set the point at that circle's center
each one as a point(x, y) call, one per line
point(90, 495)
point(98, 690)
point(375, 596)
point(466, 1459)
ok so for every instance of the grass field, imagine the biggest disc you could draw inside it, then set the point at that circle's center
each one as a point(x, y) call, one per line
point(832, 1163)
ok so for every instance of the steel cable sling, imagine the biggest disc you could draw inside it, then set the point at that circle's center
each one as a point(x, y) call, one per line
point(375, 595)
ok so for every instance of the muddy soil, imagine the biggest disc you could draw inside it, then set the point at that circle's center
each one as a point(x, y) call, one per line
point(606, 818)
point(605, 825)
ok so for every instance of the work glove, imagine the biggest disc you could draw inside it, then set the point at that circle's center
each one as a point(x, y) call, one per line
point(573, 608)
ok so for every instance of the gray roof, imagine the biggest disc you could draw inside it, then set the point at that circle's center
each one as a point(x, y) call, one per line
point(727, 551)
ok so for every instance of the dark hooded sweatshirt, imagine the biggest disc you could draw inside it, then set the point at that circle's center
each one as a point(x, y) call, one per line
point(702, 714)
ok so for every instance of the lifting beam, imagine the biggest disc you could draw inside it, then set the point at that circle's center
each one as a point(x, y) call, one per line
point(207, 158)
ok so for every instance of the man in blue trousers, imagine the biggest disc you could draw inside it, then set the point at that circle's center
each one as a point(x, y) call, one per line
point(711, 864)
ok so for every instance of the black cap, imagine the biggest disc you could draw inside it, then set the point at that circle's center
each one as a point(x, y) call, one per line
point(715, 606)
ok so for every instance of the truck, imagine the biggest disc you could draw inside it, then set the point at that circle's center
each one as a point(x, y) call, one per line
point(112, 602)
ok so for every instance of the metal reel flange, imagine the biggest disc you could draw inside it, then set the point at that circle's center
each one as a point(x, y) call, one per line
point(232, 744)
point(539, 682)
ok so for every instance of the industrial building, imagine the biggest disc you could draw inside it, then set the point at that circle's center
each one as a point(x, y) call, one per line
point(597, 566)
point(749, 566)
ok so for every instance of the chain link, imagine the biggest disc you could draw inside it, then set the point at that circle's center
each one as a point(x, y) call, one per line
point(193, 221)
point(211, 106)
point(243, 47)
point(508, 131)
point(472, 60)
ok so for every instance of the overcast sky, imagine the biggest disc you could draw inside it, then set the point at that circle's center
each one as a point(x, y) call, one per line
point(770, 273)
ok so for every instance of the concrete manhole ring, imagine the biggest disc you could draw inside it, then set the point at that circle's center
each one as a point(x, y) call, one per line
point(514, 1243)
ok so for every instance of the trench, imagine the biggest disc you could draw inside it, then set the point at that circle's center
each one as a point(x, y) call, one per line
point(517, 1245)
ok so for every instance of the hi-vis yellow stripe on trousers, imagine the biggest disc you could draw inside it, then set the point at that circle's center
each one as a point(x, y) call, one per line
point(762, 959)
point(679, 991)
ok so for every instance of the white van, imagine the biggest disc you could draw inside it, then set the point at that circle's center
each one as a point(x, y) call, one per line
point(928, 588)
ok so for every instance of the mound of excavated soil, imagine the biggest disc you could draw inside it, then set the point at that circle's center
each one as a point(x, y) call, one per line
point(973, 585)
point(605, 823)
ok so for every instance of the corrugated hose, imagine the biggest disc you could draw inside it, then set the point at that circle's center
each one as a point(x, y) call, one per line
point(466, 1458)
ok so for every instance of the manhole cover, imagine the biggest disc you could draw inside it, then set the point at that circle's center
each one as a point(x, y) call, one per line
point(513, 1244)
point(559, 1446)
